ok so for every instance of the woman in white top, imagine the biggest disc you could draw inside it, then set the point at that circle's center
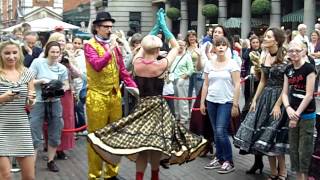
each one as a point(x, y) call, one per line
point(221, 91)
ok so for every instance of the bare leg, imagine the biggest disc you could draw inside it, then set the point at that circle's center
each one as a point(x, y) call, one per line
point(51, 152)
point(142, 161)
point(155, 163)
point(282, 166)
point(5, 166)
point(155, 160)
point(27, 167)
point(273, 165)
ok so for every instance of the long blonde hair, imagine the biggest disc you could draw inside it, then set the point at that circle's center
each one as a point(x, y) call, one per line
point(19, 63)
point(56, 36)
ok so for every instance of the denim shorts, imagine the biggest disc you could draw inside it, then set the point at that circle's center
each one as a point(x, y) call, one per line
point(52, 112)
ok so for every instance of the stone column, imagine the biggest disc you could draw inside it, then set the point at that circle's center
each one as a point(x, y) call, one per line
point(92, 14)
point(168, 20)
point(154, 14)
point(275, 15)
point(246, 18)
point(184, 18)
point(201, 20)
point(222, 11)
point(309, 15)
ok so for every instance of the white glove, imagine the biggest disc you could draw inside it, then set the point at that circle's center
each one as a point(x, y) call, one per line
point(133, 91)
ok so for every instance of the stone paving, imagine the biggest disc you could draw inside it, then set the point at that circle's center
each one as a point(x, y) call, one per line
point(75, 168)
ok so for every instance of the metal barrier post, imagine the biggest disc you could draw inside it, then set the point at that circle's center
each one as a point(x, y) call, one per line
point(251, 80)
point(126, 101)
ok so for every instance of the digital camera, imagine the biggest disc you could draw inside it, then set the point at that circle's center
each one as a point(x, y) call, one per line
point(53, 89)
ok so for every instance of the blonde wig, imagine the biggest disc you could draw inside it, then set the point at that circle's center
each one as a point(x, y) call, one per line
point(150, 43)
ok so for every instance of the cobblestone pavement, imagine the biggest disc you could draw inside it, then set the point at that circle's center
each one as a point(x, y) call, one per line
point(75, 168)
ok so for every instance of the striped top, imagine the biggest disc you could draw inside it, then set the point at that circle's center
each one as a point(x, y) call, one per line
point(15, 134)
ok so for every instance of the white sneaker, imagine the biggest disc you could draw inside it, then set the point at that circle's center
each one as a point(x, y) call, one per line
point(213, 164)
point(226, 168)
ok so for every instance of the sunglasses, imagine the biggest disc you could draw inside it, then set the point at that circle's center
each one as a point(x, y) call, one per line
point(105, 26)
point(191, 31)
point(291, 51)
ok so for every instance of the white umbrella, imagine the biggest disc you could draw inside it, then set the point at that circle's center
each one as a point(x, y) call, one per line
point(44, 24)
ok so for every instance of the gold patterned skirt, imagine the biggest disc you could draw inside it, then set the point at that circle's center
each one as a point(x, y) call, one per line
point(151, 126)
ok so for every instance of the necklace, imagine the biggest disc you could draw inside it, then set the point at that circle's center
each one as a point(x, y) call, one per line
point(147, 62)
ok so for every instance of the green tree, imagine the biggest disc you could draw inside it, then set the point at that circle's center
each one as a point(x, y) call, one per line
point(260, 7)
point(210, 10)
point(173, 13)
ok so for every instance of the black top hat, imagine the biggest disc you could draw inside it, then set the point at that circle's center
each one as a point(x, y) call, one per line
point(103, 16)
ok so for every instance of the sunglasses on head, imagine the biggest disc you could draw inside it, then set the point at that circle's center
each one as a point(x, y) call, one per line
point(191, 31)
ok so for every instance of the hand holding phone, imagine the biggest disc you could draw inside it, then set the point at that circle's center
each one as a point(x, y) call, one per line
point(15, 91)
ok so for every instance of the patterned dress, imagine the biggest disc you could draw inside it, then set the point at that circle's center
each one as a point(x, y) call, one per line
point(260, 131)
point(151, 126)
point(15, 134)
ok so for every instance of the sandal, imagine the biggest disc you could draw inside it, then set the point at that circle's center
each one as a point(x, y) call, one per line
point(273, 177)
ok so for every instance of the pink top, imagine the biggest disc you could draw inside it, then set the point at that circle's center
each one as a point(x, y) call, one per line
point(150, 68)
point(98, 63)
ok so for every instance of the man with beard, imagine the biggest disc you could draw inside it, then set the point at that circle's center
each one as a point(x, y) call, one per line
point(105, 68)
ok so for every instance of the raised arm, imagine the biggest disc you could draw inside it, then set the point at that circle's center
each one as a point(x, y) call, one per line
point(169, 36)
point(97, 62)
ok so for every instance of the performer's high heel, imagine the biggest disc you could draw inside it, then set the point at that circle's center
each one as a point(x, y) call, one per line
point(258, 165)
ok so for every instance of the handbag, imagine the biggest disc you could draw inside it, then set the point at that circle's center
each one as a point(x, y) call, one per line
point(171, 74)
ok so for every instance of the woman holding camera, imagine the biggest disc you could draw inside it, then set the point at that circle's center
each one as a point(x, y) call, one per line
point(45, 70)
point(16, 86)
point(67, 59)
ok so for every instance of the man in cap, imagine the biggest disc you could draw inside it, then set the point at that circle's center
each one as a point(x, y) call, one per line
point(105, 68)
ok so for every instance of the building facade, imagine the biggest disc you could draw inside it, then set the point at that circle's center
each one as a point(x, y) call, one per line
point(134, 15)
point(139, 15)
point(17, 11)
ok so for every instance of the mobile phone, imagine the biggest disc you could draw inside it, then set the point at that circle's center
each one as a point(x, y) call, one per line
point(15, 91)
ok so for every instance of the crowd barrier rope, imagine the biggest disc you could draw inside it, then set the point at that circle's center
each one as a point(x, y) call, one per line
point(175, 98)
point(74, 129)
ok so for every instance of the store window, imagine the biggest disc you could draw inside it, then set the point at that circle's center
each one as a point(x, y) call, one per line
point(135, 21)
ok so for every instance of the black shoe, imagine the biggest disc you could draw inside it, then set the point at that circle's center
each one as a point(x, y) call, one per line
point(165, 163)
point(258, 165)
point(52, 166)
point(61, 155)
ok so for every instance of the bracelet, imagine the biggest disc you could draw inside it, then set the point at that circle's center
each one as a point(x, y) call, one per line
point(287, 106)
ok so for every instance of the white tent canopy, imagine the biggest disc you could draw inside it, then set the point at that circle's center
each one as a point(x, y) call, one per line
point(44, 24)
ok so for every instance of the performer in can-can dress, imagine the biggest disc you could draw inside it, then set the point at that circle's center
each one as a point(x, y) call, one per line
point(265, 128)
point(150, 132)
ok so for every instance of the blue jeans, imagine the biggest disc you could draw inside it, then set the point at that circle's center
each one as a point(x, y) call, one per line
point(81, 118)
point(195, 82)
point(52, 112)
point(219, 115)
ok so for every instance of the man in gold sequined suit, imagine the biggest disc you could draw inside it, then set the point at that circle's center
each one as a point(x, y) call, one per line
point(105, 68)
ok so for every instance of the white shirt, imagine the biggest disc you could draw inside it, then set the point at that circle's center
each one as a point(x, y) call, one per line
point(220, 83)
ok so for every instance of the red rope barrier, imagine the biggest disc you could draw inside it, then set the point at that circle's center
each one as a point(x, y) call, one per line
point(75, 129)
point(179, 98)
